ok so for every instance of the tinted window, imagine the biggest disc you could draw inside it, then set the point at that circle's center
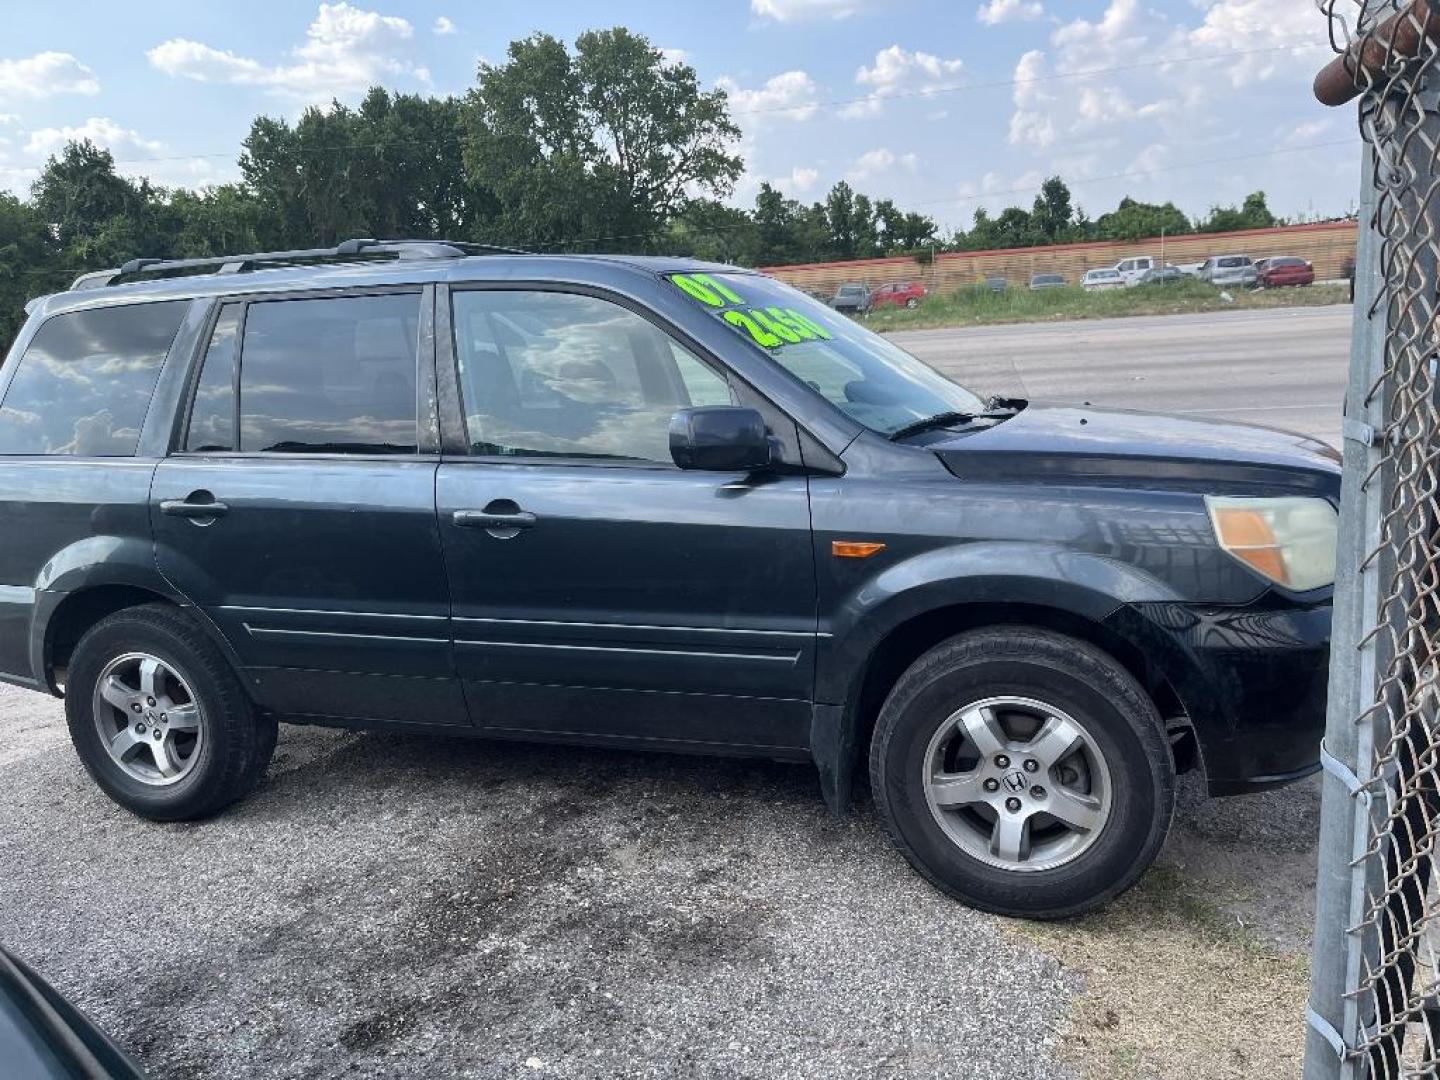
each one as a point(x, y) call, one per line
point(555, 374)
point(84, 384)
point(212, 418)
point(334, 375)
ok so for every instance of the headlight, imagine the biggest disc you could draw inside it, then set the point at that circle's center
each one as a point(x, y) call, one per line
point(1291, 541)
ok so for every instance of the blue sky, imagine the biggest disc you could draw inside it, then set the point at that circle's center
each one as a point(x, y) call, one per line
point(941, 104)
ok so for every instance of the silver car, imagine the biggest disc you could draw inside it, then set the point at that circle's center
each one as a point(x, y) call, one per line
point(1229, 270)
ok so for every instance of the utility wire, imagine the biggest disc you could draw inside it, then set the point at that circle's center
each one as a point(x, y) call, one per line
point(878, 97)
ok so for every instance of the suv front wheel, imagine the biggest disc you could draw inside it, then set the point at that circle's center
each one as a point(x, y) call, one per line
point(1023, 772)
point(160, 720)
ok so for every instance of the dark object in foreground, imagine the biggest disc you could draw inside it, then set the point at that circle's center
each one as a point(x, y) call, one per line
point(44, 1037)
point(648, 503)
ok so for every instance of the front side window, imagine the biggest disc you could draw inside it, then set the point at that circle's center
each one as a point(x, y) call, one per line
point(865, 376)
point(334, 375)
point(84, 384)
point(562, 375)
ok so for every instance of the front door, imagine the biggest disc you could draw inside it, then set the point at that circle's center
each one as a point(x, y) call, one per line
point(598, 591)
point(299, 510)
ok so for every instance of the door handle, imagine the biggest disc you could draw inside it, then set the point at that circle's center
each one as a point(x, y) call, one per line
point(186, 509)
point(484, 519)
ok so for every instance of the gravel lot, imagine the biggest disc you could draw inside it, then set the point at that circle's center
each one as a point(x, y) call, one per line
point(391, 906)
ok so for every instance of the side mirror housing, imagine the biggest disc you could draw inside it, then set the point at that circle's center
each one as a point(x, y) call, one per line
point(720, 438)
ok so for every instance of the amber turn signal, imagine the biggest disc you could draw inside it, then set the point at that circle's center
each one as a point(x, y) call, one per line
point(854, 549)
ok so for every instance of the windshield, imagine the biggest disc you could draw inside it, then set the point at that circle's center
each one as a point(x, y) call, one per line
point(862, 374)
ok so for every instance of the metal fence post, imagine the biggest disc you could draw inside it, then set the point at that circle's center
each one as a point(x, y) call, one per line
point(1344, 822)
point(1375, 1000)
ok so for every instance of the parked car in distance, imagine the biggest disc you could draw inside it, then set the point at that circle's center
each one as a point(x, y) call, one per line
point(1106, 278)
point(348, 487)
point(1161, 275)
point(1040, 282)
point(1284, 270)
point(851, 299)
point(906, 294)
point(1347, 271)
point(44, 1037)
point(1229, 270)
point(1190, 269)
point(1133, 269)
point(995, 284)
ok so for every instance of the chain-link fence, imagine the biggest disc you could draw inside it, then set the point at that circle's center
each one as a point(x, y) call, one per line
point(1375, 1005)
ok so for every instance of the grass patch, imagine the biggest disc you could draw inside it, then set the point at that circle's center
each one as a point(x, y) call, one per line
point(980, 306)
point(1175, 987)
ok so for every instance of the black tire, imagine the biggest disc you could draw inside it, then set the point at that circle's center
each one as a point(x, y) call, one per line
point(238, 742)
point(1064, 672)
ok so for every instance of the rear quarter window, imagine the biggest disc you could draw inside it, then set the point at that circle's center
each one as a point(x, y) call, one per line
point(83, 385)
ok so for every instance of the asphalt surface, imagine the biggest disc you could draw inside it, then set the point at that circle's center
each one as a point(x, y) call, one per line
point(1283, 367)
point(393, 906)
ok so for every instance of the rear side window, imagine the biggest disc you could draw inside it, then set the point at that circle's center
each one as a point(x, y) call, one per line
point(212, 419)
point(333, 375)
point(84, 384)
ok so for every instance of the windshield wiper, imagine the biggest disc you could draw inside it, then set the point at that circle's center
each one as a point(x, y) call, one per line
point(949, 419)
point(939, 420)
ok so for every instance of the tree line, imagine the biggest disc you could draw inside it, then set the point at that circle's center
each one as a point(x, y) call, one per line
point(605, 145)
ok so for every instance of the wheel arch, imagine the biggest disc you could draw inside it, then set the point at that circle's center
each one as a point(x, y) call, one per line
point(63, 619)
point(843, 732)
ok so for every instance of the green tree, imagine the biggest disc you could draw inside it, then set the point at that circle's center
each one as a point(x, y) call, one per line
point(1253, 213)
point(29, 263)
point(1133, 220)
point(610, 142)
point(391, 168)
point(1052, 215)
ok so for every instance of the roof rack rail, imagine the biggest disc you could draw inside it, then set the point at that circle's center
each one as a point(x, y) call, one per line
point(346, 251)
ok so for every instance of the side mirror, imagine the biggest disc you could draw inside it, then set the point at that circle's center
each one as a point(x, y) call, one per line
point(719, 438)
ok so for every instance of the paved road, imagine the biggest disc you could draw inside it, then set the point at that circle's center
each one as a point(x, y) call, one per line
point(390, 906)
point(1284, 367)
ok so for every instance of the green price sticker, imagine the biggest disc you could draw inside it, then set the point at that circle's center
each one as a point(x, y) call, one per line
point(768, 327)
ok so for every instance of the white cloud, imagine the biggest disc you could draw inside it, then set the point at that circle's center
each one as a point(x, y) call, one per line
point(798, 10)
point(1033, 120)
point(881, 161)
point(1002, 11)
point(45, 75)
point(346, 51)
point(100, 130)
point(787, 96)
point(671, 57)
point(443, 26)
point(897, 71)
point(802, 179)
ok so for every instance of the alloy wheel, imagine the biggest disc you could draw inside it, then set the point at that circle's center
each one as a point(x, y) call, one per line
point(148, 719)
point(1017, 783)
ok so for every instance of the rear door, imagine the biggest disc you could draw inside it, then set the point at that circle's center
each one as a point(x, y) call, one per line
point(71, 486)
point(298, 509)
point(599, 591)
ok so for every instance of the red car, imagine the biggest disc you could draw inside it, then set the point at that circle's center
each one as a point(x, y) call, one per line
point(1286, 270)
point(907, 294)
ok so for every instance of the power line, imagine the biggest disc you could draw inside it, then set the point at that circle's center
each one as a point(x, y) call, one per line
point(1058, 77)
point(1129, 174)
point(878, 97)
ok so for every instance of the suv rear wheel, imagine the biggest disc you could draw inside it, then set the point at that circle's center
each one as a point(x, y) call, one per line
point(1024, 772)
point(160, 720)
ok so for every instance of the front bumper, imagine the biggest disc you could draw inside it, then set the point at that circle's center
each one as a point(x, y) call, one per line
point(1253, 681)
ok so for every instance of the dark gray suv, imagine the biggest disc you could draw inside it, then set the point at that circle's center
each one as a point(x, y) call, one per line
point(646, 503)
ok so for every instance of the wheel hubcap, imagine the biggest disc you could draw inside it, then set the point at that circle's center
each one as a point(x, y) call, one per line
point(148, 719)
point(1017, 783)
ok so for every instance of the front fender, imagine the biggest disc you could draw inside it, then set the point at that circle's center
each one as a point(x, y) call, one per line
point(1090, 586)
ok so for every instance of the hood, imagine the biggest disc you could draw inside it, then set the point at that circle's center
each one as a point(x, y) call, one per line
point(1120, 448)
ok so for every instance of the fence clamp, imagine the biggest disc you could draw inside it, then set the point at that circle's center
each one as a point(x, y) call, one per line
point(1342, 772)
point(1361, 432)
point(1327, 1032)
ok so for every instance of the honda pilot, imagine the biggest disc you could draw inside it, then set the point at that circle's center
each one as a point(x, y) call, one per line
point(646, 503)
